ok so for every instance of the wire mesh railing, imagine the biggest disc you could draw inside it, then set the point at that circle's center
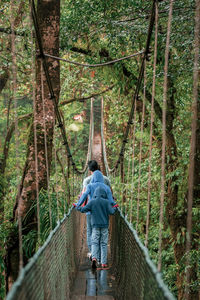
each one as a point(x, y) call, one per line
point(136, 276)
point(51, 271)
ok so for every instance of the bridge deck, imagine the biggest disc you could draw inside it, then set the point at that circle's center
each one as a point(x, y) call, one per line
point(93, 284)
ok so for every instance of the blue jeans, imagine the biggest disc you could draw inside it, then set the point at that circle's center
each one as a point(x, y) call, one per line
point(89, 232)
point(100, 244)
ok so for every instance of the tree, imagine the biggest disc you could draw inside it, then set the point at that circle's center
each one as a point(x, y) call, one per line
point(48, 14)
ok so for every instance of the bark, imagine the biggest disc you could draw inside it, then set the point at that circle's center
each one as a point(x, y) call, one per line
point(194, 293)
point(175, 218)
point(48, 12)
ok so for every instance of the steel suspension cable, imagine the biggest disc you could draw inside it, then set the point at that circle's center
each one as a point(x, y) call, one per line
point(35, 122)
point(14, 90)
point(135, 97)
point(95, 65)
point(68, 176)
point(127, 179)
point(139, 81)
point(152, 122)
point(73, 182)
point(45, 145)
point(192, 147)
point(107, 169)
point(133, 160)
point(103, 139)
point(164, 135)
point(140, 151)
point(56, 179)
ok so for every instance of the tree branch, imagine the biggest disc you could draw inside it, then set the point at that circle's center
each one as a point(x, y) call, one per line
point(86, 98)
point(8, 31)
point(104, 53)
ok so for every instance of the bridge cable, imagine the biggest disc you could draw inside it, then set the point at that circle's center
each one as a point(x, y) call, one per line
point(128, 176)
point(164, 135)
point(94, 65)
point(151, 125)
point(45, 143)
point(56, 173)
point(133, 159)
point(141, 144)
point(138, 84)
point(192, 147)
point(35, 135)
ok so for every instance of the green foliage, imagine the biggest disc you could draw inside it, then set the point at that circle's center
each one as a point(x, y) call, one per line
point(29, 243)
point(92, 32)
point(2, 285)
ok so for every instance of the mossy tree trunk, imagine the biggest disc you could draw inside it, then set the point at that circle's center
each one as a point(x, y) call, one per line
point(48, 12)
point(176, 219)
point(176, 212)
point(195, 238)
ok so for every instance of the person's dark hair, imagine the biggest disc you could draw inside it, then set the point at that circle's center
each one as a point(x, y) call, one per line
point(93, 165)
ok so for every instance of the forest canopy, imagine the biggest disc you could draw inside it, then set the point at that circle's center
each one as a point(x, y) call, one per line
point(90, 32)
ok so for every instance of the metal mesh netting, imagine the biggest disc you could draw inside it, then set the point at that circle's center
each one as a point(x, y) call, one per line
point(51, 271)
point(136, 276)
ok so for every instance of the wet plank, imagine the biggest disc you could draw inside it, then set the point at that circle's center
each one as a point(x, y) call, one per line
point(93, 284)
point(82, 297)
point(79, 286)
point(105, 297)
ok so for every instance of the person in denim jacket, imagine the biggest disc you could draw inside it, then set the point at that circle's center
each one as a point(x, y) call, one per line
point(100, 206)
point(96, 181)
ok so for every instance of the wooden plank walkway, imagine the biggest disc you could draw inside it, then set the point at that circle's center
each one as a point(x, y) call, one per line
point(91, 284)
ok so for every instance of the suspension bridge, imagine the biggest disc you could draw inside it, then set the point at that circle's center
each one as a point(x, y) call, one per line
point(60, 268)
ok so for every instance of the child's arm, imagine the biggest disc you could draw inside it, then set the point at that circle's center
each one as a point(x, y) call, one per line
point(84, 209)
point(111, 209)
point(110, 197)
point(84, 196)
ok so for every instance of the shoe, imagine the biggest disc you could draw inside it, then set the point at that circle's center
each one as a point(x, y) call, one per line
point(94, 263)
point(89, 255)
point(104, 266)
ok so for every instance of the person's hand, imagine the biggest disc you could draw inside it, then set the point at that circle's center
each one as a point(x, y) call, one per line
point(74, 204)
point(116, 205)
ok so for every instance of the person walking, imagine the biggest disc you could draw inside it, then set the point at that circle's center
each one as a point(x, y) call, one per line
point(93, 166)
point(100, 208)
point(97, 180)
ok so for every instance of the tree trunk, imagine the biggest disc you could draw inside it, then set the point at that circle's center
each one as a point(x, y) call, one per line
point(194, 290)
point(48, 12)
point(176, 218)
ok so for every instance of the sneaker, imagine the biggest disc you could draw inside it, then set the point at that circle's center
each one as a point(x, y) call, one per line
point(104, 266)
point(89, 255)
point(94, 263)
